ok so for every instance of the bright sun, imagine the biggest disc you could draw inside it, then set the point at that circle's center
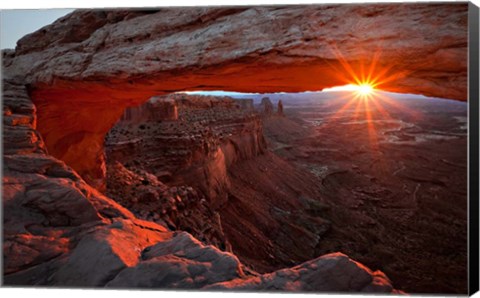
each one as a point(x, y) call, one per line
point(364, 89)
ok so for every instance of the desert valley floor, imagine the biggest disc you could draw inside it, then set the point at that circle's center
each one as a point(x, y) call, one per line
point(394, 170)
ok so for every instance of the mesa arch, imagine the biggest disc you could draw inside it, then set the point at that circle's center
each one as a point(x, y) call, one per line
point(85, 68)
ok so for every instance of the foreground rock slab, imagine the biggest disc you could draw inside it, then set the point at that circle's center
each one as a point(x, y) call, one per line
point(334, 272)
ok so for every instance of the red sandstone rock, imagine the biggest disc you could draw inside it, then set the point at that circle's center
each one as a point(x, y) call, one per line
point(245, 104)
point(266, 107)
point(217, 149)
point(91, 59)
point(266, 200)
point(178, 207)
point(60, 231)
point(108, 248)
point(181, 262)
point(280, 108)
point(210, 134)
point(19, 121)
point(24, 250)
point(155, 109)
point(97, 242)
point(76, 68)
point(286, 37)
point(330, 273)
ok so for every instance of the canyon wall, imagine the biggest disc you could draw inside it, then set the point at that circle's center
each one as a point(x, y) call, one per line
point(210, 173)
point(266, 107)
point(210, 134)
point(83, 70)
point(155, 109)
point(175, 172)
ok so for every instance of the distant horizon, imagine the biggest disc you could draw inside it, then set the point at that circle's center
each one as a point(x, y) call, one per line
point(325, 91)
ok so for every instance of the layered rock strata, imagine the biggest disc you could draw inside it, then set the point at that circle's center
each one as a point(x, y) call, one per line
point(210, 173)
point(191, 155)
point(196, 150)
point(155, 109)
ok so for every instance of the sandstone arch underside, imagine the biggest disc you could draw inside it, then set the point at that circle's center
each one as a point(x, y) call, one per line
point(84, 69)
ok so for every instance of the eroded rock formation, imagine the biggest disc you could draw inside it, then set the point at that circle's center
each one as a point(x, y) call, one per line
point(155, 109)
point(245, 104)
point(210, 173)
point(266, 107)
point(280, 108)
point(305, 278)
point(211, 134)
point(85, 68)
point(192, 155)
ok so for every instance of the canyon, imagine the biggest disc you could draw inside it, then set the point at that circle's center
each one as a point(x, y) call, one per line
point(58, 229)
point(104, 163)
point(395, 171)
point(223, 183)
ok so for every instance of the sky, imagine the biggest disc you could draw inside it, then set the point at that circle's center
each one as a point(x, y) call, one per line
point(18, 22)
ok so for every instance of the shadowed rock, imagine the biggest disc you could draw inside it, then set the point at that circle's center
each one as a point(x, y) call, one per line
point(334, 272)
point(181, 262)
point(280, 108)
point(266, 107)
